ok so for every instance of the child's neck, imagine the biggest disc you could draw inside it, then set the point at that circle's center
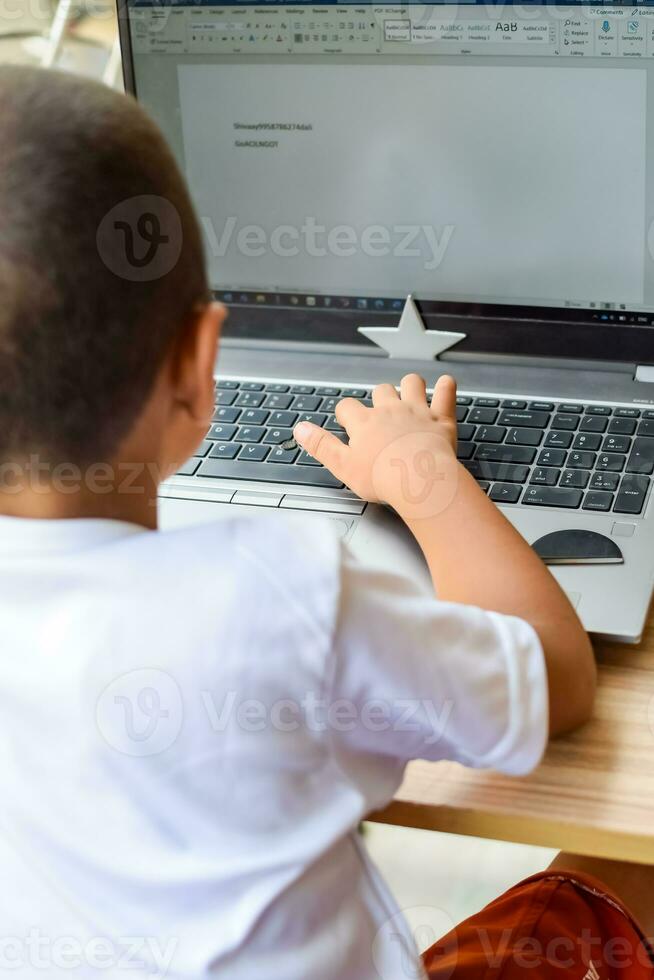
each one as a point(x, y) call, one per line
point(135, 503)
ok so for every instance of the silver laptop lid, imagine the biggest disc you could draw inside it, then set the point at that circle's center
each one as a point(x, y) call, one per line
point(490, 160)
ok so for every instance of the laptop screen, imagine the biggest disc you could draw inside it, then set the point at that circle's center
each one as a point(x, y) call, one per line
point(478, 156)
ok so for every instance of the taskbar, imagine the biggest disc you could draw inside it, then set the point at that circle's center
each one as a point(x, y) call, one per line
point(600, 312)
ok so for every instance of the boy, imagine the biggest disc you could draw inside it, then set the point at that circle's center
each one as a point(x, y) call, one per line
point(194, 723)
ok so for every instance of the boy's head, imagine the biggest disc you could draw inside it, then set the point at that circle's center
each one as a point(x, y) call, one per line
point(103, 293)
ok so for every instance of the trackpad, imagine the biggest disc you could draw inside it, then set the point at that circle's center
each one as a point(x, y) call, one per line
point(577, 547)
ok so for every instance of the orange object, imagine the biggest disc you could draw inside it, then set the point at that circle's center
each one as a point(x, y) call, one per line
point(551, 926)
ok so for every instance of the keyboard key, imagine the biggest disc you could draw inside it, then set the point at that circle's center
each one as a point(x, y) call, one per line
point(593, 423)
point(251, 433)
point(646, 427)
point(278, 401)
point(483, 469)
point(505, 453)
point(227, 384)
point(625, 427)
point(305, 460)
point(587, 440)
point(482, 415)
point(574, 478)
point(545, 476)
point(203, 448)
point(221, 432)
point(571, 407)
point(225, 397)
point(254, 451)
point(631, 495)
point(224, 450)
point(274, 437)
point(280, 473)
point(542, 406)
point(254, 416)
point(483, 485)
point(463, 400)
point(513, 403)
point(598, 500)
point(580, 460)
point(552, 496)
point(565, 422)
point(302, 390)
point(604, 481)
point(277, 388)
point(465, 431)
point(333, 426)
point(627, 413)
point(251, 386)
point(461, 412)
point(329, 405)
point(487, 402)
point(305, 403)
point(189, 467)
point(505, 493)
point(490, 433)
point(360, 393)
point(610, 461)
point(598, 409)
point(250, 399)
point(551, 457)
point(464, 450)
point(287, 419)
point(641, 457)
point(616, 444)
point(332, 392)
point(524, 437)
point(281, 455)
point(648, 414)
point(558, 440)
point(226, 414)
point(316, 417)
point(535, 420)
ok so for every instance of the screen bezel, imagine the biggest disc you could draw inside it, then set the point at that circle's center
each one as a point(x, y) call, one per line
point(530, 332)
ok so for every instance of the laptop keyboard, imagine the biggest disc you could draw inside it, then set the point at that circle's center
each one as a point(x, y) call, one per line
point(567, 455)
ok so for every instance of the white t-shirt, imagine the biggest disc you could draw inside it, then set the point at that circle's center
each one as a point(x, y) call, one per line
point(193, 723)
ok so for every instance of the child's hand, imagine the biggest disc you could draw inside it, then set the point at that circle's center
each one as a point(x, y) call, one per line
point(401, 452)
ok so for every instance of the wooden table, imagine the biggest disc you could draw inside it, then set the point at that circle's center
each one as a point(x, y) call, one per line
point(592, 794)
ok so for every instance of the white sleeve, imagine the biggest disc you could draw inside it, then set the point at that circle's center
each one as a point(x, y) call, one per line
point(425, 679)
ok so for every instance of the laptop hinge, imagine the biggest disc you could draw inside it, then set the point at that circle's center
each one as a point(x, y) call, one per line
point(645, 373)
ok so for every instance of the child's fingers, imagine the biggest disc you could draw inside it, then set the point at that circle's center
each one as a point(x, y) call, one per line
point(323, 446)
point(443, 402)
point(349, 412)
point(413, 389)
point(383, 394)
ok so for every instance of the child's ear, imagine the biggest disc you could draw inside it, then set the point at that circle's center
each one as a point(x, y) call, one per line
point(195, 360)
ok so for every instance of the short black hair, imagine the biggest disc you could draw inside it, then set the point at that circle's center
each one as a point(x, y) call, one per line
point(85, 319)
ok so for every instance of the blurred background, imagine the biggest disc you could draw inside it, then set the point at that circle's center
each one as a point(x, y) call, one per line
point(75, 36)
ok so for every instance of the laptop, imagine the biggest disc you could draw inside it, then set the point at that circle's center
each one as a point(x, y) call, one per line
point(496, 163)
